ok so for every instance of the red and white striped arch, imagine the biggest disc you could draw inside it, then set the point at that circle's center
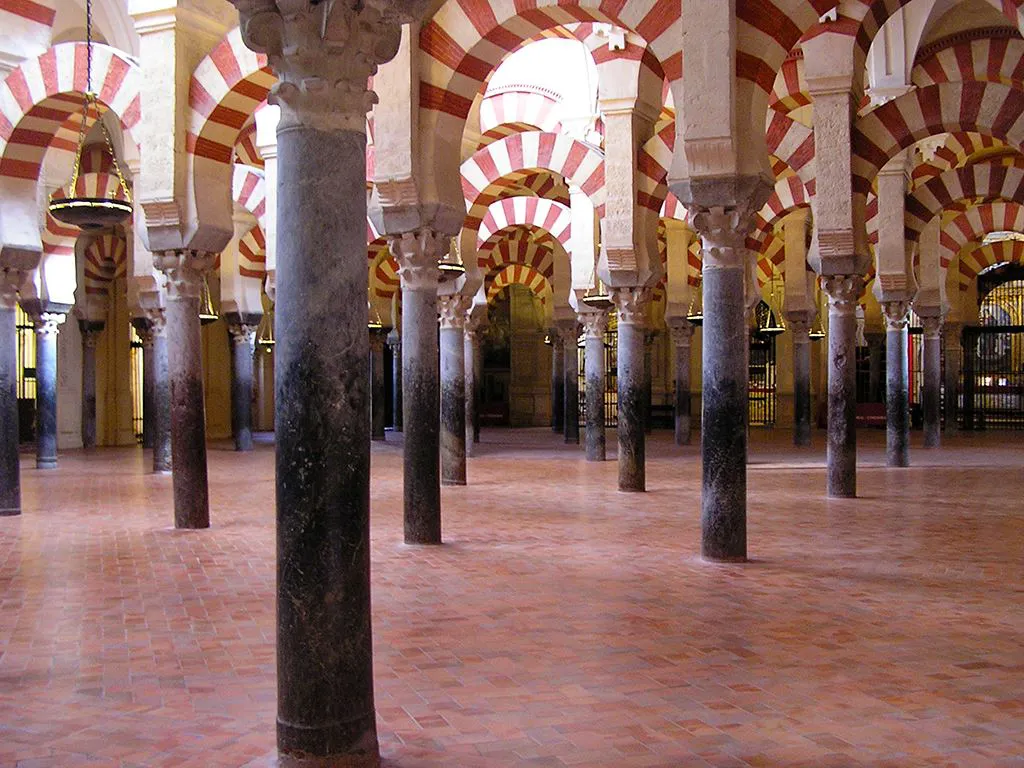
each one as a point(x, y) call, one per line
point(579, 163)
point(977, 221)
point(96, 178)
point(772, 259)
point(981, 182)
point(995, 58)
point(654, 159)
point(673, 209)
point(226, 88)
point(58, 239)
point(383, 270)
point(245, 147)
point(106, 259)
point(957, 150)
point(988, 108)
point(42, 94)
point(792, 145)
point(518, 274)
point(985, 256)
point(529, 247)
point(547, 215)
point(249, 190)
point(252, 254)
point(790, 90)
point(523, 104)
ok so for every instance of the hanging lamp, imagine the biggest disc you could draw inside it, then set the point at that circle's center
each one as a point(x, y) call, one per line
point(91, 213)
point(598, 297)
point(771, 323)
point(265, 331)
point(450, 264)
point(374, 323)
point(207, 313)
point(547, 340)
point(695, 312)
point(817, 331)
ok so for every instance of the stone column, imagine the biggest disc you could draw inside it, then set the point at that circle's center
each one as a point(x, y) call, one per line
point(143, 329)
point(10, 475)
point(897, 396)
point(161, 373)
point(395, 345)
point(243, 347)
point(649, 337)
point(47, 326)
point(800, 326)
point(876, 348)
point(184, 271)
point(931, 394)
point(725, 406)
point(954, 357)
point(841, 453)
point(557, 382)
point(417, 254)
point(377, 409)
point(472, 353)
point(323, 59)
point(595, 325)
point(682, 337)
point(631, 304)
point(571, 387)
point(453, 388)
point(91, 330)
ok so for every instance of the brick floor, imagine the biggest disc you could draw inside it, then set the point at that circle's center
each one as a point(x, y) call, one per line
point(563, 624)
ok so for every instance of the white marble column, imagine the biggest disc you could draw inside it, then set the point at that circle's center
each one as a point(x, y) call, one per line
point(47, 326)
point(452, 310)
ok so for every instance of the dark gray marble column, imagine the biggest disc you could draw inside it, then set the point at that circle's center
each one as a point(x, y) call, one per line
point(725, 350)
point(325, 707)
point(876, 353)
point(143, 329)
point(417, 254)
point(10, 475)
point(557, 383)
point(242, 332)
point(395, 345)
point(800, 327)
point(453, 388)
point(47, 326)
point(595, 325)
point(377, 405)
point(954, 356)
point(184, 270)
point(90, 330)
point(162, 454)
point(473, 363)
point(841, 452)
point(682, 337)
point(931, 389)
point(897, 396)
point(649, 337)
point(630, 303)
point(571, 386)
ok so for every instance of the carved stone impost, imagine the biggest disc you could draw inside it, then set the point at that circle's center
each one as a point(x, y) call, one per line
point(595, 324)
point(452, 310)
point(417, 254)
point(631, 304)
point(896, 314)
point(843, 292)
point(184, 271)
point(323, 55)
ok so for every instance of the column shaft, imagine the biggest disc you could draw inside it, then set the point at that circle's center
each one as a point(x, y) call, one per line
point(161, 399)
point(931, 394)
point(324, 650)
point(396, 384)
point(596, 324)
point(144, 329)
point(10, 476)
point(630, 303)
point(377, 409)
point(724, 409)
point(90, 335)
point(682, 336)
point(242, 339)
point(453, 391)
point(648, 382)
point(897, 400)
point(46, 391)
point(421, 417)
point(801, 386)
point(571, 388)
point(470, 350)
point(188, 414)
point(557, 384)
point(841, 451)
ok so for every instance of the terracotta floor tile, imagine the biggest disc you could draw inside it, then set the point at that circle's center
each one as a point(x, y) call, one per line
point(562, 624)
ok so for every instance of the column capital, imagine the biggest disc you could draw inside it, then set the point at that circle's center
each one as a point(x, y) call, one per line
point(10, 282)
point(157, 323)
point(896, 314)
point(567, 330)
point(48, 323)
point(394, 339)
point(800, 324)
point(242, 333)
point(90, 330)
point(595, 324)
point(843, 291)
point(452, 310)
point(323, 56)
point(932, 326)
point(183, 270)
point(631, 304)
point(475, 325)
point(681, 331)
point(417, 254)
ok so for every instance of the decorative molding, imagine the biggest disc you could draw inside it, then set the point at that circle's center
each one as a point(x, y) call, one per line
point(452, 310)
point(417, 254)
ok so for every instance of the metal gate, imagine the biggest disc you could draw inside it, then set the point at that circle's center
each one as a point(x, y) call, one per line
point(762, 382)
point(992, 384)
point(611, 380)
point(137, 381)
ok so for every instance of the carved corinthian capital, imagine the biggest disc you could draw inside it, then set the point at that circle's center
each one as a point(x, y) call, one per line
point(323, 55)
point(895, 314)
point(631, 304)
point(723, 232)
point(48, 323)
point(452, 310)
point(184, 271)
point(417, 254)
point(595, 324)
point(843, 292)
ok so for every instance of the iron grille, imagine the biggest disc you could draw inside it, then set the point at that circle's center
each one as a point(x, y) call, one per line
point(137, 382)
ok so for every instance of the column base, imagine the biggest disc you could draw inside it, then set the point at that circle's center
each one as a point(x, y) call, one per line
point(453, 482)
point(348, 761)
point(163, 472)
point(627, 489)
point(46, 463)
point(10, 512)
point(724, 559)
point(364, 753)
point(841, 493)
